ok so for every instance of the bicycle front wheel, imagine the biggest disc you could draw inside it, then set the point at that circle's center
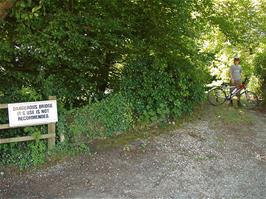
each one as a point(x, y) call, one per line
point(249, 99)
point(216, 96)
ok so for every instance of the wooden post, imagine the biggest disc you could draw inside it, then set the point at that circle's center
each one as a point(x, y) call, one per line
point(51, 130)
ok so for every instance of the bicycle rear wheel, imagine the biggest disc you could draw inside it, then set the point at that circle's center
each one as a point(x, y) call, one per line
point(249, 100)
point(216, 96)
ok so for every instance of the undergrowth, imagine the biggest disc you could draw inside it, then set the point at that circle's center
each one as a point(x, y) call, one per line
point(82, 133)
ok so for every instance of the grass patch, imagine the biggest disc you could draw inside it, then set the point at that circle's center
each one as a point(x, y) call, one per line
point(230, 115)
point(124, 139)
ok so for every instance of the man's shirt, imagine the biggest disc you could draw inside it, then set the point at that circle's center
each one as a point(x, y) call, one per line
point(236, 71)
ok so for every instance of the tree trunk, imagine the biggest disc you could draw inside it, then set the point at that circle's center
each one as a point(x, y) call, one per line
point(103, 73)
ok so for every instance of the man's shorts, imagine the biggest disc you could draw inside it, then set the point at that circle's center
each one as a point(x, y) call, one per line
point(236, 83)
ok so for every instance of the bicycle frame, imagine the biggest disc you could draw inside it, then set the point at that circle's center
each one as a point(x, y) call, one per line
point(225, 92)
point(234, 92)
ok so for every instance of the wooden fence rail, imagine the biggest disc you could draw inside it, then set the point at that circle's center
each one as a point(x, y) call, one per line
point(50, 136)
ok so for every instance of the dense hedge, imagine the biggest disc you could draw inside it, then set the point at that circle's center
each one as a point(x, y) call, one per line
point(160, 88)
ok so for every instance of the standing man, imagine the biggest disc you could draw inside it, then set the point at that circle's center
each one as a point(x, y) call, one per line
point(235, 74)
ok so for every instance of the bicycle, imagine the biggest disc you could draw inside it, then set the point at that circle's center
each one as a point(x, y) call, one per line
point(220, 94)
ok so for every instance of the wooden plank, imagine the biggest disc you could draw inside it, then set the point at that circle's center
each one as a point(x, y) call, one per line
point(25, 138)
point(3, 106)
point(4, 126)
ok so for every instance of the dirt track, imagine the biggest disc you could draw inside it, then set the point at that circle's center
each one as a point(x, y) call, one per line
point(201, 159)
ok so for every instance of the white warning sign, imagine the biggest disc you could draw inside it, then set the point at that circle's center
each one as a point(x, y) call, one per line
point(32, 113)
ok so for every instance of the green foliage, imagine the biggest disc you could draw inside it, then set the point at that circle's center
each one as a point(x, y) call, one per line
point(160, 88)
point(66, 149)
point(235, 28)
point(71, 49)
point(260, 69)
point(24, 155)
point(104, 118)
point(238, 20)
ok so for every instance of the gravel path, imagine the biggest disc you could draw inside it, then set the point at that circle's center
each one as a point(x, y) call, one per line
point(199, 160)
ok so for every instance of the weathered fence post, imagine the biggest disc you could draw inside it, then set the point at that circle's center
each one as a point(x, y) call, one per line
point(51, 130)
